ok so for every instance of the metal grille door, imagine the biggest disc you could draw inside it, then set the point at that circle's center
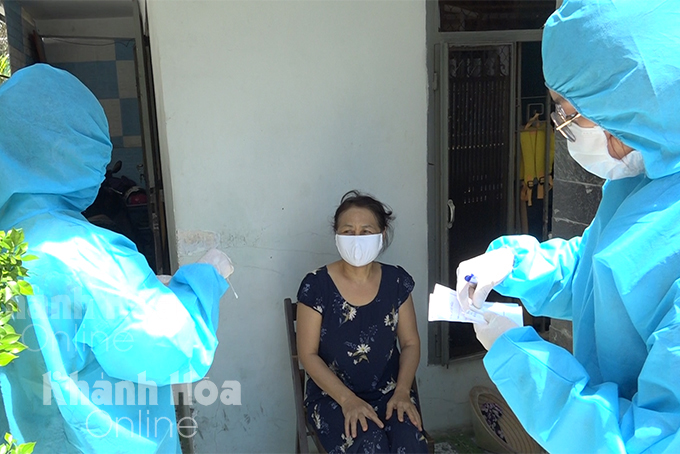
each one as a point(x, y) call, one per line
point(480, 153)
point(479, 147)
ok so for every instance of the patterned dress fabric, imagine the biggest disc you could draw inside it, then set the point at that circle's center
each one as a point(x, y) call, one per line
point(359, 344)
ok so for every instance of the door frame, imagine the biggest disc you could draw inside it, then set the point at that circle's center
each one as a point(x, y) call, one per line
point(154, 179)
point(438, 158)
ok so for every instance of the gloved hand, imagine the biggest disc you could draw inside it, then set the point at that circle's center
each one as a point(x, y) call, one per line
point(495, 325)
point(219, 260)
point(489, 269)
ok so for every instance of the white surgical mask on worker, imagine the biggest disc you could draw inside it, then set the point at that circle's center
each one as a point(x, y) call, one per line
point(359, 250)
point(590, 151)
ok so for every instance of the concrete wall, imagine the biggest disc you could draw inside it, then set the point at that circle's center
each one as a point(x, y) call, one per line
point(576, 197)
point(268, 112)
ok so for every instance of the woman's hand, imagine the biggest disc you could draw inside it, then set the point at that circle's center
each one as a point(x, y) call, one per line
point(358, 410)
point(401, 402)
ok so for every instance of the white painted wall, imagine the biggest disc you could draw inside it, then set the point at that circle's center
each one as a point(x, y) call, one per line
point(268, 112)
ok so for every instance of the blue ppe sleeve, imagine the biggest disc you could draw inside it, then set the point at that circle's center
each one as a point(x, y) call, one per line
point(549, 391)
point(542, 274)
point(140, 326)
point(199, 299)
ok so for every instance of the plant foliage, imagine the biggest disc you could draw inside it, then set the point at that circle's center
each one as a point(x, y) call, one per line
point(5, 71)
point(13, 250)
point(11, 447)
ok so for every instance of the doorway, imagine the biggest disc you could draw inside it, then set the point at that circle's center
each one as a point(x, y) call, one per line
point(485, 95)
point(107, 49)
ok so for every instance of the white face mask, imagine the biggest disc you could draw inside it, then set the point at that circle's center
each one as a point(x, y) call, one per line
point(359, 250)
point(590, 151)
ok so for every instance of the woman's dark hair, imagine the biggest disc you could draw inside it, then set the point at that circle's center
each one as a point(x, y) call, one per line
point(382, 212)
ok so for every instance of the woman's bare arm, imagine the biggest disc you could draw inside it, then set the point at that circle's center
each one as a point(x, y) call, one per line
point(409, 344)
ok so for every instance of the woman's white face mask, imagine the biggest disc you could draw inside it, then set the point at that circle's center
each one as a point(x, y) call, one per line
point(591, 152)
point(359, 250)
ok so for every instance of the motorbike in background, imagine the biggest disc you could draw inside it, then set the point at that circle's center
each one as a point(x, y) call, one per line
point(111, 208)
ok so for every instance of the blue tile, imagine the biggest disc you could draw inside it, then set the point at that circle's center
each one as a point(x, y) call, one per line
point(129, 112)
point(14, 38)
point(125, 50)
point(14, 31)
point(117, 141)
point(13, 9)
point(100, 77)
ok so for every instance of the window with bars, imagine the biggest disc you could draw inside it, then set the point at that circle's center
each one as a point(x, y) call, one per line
point(476, 15)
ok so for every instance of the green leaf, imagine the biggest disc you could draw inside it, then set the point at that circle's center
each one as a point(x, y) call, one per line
point(26, 448)
point(8, 339)
point(18, 347)
point(8, 438)
point(25, 288)
point(3, 449)
point(6, 358)
point(29, 257)
point(16, 236)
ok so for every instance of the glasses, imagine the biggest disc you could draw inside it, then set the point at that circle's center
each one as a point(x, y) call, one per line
point(562, 121)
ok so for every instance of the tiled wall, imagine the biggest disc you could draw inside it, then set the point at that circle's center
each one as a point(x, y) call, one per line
point(107, 68)
point(20, 29)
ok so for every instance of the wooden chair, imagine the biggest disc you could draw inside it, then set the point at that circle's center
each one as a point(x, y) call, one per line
point(304, 428)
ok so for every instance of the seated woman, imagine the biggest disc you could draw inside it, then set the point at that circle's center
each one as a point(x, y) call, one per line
point(351, 314)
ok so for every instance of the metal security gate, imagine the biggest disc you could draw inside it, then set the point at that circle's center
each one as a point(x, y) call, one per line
point(476, 86)
point(479, 148)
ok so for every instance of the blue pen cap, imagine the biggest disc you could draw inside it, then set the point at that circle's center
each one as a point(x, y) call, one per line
point(471, 278)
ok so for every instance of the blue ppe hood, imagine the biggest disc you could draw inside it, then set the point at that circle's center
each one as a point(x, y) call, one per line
point(54, 137)
point(617, 63)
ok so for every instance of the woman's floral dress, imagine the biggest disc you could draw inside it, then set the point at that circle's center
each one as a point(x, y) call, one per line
point(359, 344)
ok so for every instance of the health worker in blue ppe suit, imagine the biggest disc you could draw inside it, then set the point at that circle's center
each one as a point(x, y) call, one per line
point(105, 337)
point(613, 68)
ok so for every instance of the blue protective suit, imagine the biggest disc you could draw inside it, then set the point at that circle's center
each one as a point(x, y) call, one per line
point(618, 63)
point(100, 321)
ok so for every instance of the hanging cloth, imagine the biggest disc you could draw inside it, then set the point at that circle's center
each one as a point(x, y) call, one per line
point(532, 170)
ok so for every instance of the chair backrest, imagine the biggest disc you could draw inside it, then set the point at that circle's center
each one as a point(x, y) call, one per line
point(303, 429)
